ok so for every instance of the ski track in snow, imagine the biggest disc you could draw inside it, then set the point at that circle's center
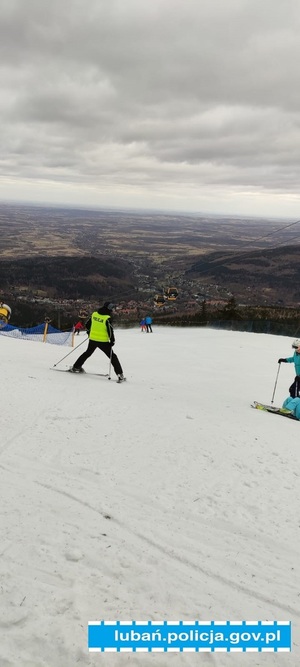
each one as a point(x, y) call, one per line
point(166, 498)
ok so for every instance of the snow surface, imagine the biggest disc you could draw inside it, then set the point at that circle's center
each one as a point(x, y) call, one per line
point(165, 498)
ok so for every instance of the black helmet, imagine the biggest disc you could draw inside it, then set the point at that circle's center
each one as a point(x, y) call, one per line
point(109, 305)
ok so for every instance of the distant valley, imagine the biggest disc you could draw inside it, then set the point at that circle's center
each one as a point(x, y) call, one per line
point(82, 254)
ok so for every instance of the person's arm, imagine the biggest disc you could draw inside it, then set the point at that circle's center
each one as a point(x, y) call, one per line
point(110, 331)
point(88, 325)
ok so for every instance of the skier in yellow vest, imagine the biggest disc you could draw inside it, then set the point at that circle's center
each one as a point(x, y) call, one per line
point(101, 335)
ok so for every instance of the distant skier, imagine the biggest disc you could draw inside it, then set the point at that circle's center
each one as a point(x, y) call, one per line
point(5, 314)
point(143, 325)
point(101, 335)
point(148, 322)
point(295, 359)
point(78, 328)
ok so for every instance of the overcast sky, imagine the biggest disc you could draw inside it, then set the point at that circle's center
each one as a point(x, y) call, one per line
point(172, 104)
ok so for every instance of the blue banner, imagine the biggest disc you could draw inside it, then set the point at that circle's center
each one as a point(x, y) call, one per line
point(199, 636)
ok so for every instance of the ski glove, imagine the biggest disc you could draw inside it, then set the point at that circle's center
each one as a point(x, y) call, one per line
point(282, 360)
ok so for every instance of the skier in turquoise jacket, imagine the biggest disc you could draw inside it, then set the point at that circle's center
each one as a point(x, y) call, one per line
point(295, 359)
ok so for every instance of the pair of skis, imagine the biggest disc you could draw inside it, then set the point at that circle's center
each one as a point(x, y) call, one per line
point(276, 411)
point(69, 370)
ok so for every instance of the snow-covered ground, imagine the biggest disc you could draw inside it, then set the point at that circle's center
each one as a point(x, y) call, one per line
point(166, 497)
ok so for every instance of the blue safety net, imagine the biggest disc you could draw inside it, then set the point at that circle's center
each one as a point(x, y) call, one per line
point(53, 336)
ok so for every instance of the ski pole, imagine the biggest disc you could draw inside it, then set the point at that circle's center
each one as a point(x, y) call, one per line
point(109, 368)
point(73, 350)
point(272, 399)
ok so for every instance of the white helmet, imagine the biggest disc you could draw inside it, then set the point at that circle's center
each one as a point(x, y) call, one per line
point(296, 343)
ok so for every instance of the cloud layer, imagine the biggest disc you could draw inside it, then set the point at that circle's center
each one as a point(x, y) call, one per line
point(191, 105)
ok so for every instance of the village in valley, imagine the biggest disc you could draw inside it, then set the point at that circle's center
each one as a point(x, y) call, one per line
point(60, 263)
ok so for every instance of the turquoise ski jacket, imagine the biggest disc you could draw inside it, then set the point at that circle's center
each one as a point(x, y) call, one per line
point(296, 360)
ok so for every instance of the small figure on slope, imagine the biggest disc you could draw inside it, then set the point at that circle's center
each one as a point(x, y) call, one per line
point(78, 328)
point(148, 322)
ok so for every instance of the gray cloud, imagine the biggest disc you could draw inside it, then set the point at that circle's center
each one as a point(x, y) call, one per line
point(151, 101)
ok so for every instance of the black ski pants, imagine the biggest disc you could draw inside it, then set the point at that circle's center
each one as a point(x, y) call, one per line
point(106, 348)
point(295, 388)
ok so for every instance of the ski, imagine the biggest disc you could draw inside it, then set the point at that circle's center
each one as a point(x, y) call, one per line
point(69, 370)
point(276, 411)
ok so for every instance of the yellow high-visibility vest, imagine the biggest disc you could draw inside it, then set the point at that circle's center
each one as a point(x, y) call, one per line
point(98, 330)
